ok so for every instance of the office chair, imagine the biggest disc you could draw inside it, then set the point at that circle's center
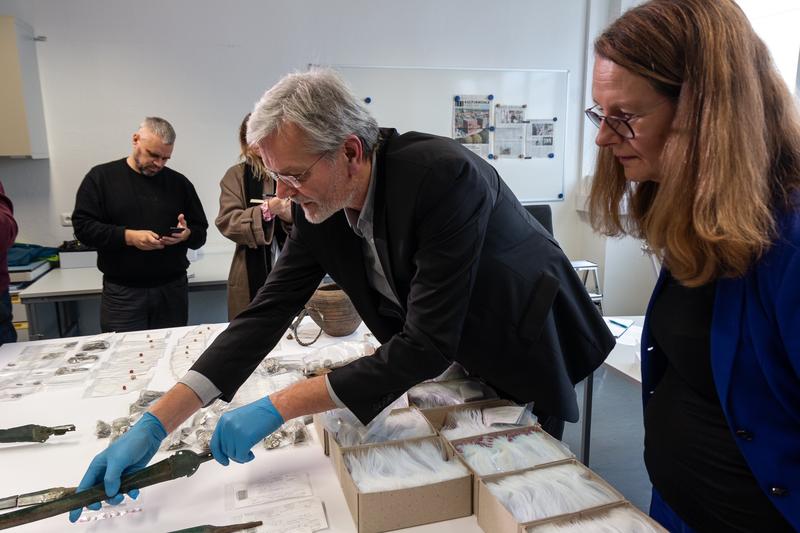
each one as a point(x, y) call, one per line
point(542, 213)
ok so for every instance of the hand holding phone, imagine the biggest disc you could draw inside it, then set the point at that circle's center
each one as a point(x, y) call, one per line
point(176, 234)
point(173, 235)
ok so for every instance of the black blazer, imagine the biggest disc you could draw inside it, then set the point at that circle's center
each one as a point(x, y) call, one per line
point(479, 281)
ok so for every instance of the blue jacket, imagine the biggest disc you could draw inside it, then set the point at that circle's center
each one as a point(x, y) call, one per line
point(755, 360)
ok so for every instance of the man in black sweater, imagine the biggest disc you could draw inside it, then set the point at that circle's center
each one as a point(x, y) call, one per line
point(141, 216)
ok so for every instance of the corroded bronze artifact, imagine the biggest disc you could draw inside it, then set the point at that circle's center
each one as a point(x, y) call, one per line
point(219, 529)
point(183, 463)
point(32, 498)
point(33, 433)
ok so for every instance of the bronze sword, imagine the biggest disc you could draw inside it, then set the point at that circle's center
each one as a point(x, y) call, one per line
point(182, 463)
point(219, 529)
point(33, 433)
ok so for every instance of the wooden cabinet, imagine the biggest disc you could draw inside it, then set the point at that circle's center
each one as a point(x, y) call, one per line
point(22, 129)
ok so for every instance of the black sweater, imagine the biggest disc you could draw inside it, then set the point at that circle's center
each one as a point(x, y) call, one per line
point(113, 198)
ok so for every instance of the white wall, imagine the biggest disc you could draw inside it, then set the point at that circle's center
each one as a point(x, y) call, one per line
point(627, 276)
point(201, 64)
point(776, 22)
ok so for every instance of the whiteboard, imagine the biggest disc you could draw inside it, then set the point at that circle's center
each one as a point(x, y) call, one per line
point(421, 99)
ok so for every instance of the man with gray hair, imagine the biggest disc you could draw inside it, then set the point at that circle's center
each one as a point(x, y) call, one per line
point(439, 258)
point(141, 216)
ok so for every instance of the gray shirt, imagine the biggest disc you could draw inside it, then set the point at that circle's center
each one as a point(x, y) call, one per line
point(362, 224)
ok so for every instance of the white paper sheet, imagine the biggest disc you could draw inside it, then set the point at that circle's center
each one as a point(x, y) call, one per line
point(618, 326)
point(271, 489)
point(631, 337)
point(300, 516)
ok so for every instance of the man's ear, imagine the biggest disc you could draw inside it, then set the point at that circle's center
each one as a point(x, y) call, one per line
point(136, 138)
point(353, 149)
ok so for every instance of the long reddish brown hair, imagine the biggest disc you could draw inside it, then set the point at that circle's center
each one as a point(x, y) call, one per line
point(732, 157)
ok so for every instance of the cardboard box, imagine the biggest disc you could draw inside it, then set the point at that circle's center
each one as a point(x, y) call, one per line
point(510, 433)
point(493, 517)
point(589, 515)
point(437, 415)
point(384, 511)
point(336, 450)
point(322, 433)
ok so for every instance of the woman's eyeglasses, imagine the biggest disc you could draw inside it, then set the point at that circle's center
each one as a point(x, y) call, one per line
point(618, 125)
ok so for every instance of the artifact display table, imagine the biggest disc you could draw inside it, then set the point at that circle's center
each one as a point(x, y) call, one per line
point(204, 498)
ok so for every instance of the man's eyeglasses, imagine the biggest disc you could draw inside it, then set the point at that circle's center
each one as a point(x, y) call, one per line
point(294, 180)
point(618, 125)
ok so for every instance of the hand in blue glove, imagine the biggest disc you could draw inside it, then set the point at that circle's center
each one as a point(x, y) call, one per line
point(128, 454)
point(239, 430)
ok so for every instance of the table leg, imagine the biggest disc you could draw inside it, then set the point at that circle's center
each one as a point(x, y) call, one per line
point(33, 322)
point(586, 423)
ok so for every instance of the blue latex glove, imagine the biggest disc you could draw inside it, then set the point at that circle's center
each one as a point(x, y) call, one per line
point(128, 454)
point(239, 430)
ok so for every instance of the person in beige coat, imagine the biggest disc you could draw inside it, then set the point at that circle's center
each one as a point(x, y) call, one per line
point(251, 216)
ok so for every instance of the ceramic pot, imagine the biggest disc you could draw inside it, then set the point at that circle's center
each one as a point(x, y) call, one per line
point(331, 309)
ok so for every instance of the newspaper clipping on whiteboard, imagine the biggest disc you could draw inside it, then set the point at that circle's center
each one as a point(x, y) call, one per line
point(509, 131)
point(471, 119)
point(539, 136)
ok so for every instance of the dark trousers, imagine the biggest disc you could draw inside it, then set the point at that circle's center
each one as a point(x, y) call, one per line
point(551, 424)
point(7, 331)
point(664, 515)
point(125, 308)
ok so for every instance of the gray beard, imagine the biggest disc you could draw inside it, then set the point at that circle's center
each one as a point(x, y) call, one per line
point(142, 170)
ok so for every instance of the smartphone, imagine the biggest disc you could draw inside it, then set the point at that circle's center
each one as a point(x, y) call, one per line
point(175, 230)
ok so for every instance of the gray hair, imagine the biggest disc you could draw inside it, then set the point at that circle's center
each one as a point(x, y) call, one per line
point(160, 128)
point(319, 103)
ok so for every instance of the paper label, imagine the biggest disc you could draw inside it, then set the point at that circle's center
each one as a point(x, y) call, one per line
point(271, 489)
point(300, 516)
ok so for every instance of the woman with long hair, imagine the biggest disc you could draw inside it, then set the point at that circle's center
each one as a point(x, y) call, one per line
point(255, 219)
point(700, 157)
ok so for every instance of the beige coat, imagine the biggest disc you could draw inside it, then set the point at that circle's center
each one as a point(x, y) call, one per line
point(241, 222)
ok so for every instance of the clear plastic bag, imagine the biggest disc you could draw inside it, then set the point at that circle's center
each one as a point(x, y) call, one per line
point(144, 401)
point(17, 393)
point(49, 348)
point(114, 385)
point(292, 433)
point(68, 375)
point(454, 392)
point(81, 358)
point(126, 508)
point(95, 346)
point(37, 360)
point(145, 336)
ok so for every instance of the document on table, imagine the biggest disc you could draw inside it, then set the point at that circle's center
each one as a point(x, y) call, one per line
point(631, 337)
point(268, 490)
point(618, 326)
point(298, 516)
